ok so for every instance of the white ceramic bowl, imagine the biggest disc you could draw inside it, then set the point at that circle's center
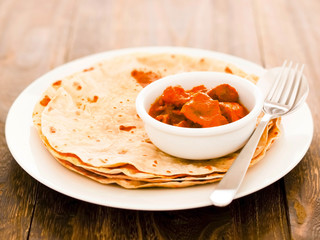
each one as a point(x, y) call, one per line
point(200, 143)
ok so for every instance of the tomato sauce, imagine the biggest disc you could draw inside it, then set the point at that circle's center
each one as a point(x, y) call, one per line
point(144, 77)
point(198, 107)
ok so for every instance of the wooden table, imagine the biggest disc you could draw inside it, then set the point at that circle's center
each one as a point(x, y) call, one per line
point(37, 36)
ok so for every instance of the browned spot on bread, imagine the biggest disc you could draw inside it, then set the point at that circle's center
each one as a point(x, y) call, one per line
point(77, 85)
point(94, 99)
point(57, 84)
point(52, 130)
point(144, 77)
point(45, 100)
point(126, 128)
point(228, 70)
point(88, 69)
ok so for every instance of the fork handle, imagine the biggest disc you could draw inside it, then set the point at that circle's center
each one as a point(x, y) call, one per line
point(227, 188)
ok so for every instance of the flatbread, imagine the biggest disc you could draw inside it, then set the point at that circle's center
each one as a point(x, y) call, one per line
point(88, 122)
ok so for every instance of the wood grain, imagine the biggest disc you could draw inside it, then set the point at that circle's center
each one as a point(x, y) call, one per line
point(36, 36)
point(30, 46)
point(282, 39)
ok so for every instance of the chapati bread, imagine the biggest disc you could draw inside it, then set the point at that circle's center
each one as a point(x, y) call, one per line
point(88, 122)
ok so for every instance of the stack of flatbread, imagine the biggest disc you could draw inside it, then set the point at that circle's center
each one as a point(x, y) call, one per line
point(89, 123)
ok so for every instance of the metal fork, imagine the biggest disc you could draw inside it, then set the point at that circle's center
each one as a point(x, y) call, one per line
point(279, 101)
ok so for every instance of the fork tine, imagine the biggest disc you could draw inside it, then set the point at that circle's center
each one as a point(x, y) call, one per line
point(288, 86)
point(274, 88)
point(295, 88)
point(282, 83)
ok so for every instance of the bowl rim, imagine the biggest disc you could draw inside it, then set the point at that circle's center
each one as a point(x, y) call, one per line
point(184, 131)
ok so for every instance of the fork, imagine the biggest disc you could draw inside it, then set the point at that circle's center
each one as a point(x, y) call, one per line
point(278, 102)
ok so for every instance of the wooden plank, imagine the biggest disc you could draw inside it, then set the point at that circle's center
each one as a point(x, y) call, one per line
point(225, 26)
point(258, 220)
point(69, 218)
point(17, 189)
point(17, 199)
point(155, 23)
point(29, 46)
point(291, 31)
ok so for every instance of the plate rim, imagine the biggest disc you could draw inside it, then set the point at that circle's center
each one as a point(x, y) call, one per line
point(94, 58)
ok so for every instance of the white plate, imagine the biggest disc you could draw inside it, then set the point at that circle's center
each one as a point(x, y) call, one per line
point(28, 150)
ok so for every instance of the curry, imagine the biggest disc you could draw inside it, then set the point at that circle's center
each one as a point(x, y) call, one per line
point(199, 107)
